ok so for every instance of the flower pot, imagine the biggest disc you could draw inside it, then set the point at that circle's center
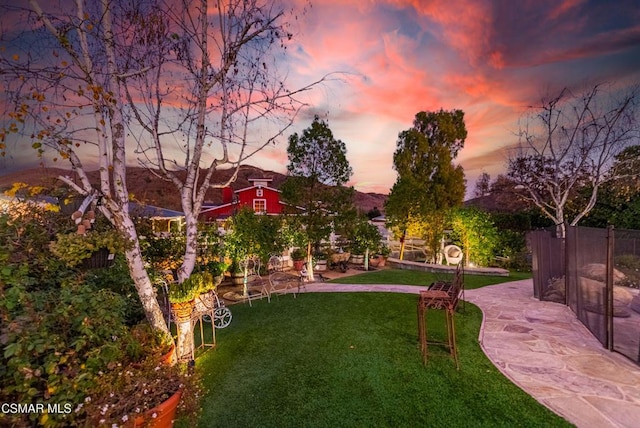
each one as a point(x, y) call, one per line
point(321, 265)
point(168, 358)
point(374, 262)
point(237, 278)
point(382, 261)
point(182, 311)
point(357, 259)
point(162, 415)
point(217, 280)
point(298, 264)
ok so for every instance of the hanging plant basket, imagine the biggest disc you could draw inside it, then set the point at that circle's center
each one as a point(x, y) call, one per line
point(182, 311)
point(99, 259)
point(70, 205)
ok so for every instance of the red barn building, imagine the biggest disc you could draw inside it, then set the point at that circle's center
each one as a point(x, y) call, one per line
point(259, 197)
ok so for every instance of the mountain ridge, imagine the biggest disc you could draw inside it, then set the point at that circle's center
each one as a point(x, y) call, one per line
point(149, 188)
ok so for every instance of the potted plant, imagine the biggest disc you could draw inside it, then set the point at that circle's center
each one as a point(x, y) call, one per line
point(298, 256)
point(320, 259)
point(236, 272)
point(216, 269)
point(182, 296)
point(76, 249)
point(364, 238)
point(143, 394)
point(380, 259)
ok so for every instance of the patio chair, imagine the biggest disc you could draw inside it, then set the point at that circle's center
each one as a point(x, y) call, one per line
point(453, 254)
point(282, 282)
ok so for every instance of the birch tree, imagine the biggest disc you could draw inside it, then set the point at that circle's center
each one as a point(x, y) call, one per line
point(191, 86)
point(64, 91)
point(570, 144)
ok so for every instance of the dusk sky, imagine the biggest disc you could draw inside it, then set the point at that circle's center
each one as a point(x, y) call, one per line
point(490, 59)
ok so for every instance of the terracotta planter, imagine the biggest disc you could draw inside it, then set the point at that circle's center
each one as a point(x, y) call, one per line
point(168, 358)
point(164, 413)
point(298, 264)
point(182, 311)
point(374, 262)
point(382, 261)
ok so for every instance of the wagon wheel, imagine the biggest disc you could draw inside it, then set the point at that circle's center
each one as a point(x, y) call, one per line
point(222, 317)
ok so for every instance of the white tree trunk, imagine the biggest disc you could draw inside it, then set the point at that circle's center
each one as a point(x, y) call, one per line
point(310, 276)
point(184, 340)
point(366, 259)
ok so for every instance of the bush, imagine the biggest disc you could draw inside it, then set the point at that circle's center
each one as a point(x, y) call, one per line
point(118, 280)
point(62, 332)
point(73, 248)
point(56, 341)
point(629, 264)
point(298, 254)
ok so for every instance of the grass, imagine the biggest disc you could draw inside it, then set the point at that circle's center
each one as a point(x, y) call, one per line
point(413, 277)
point(353, 360)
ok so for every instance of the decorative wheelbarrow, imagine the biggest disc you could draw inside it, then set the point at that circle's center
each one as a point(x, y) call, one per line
point(339, 261)
point(208, 304)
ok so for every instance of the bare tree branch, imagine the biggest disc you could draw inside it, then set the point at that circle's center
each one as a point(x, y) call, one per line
point(578, 140)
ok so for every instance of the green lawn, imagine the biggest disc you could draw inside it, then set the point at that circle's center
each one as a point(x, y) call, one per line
point(413, 277)
point(353, 360)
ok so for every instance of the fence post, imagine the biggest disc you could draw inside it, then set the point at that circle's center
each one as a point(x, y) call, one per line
point(609, 285)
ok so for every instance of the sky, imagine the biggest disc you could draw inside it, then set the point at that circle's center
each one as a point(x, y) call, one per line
point(491, 59)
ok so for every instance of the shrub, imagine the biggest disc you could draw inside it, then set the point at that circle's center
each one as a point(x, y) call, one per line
point(187, 290)
point(56, 341)
point(63, 333)
point(73, 248)
point(298, 254)
point(118, 280)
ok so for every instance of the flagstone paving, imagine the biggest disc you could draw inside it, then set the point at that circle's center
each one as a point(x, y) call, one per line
point(546, 351)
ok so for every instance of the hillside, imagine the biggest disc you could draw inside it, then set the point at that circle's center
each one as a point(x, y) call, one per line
point(150, 189)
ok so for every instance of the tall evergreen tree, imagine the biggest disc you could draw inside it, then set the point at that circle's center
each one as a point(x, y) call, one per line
point(428, 183)
point(318, 170)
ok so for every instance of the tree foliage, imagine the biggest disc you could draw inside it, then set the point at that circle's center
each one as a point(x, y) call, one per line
point(483, 185)
point(569, 145)
point(428, 181)
point(318, 170)
point(250, 234)
point(619, 201)
point(475, 232)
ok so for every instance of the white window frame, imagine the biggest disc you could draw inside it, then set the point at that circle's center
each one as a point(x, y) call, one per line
point(264, 202)
point(259, 192)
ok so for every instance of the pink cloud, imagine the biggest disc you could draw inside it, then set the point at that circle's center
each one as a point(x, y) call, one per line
point(561, 8)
